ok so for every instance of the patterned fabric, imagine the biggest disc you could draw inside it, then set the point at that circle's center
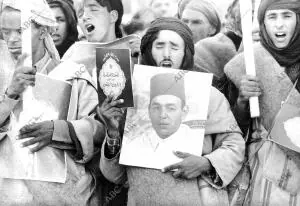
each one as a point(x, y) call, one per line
point(275, 170)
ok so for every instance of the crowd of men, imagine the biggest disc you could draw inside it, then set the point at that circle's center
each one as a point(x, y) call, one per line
point(238, 166)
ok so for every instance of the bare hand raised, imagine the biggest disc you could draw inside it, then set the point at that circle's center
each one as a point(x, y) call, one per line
point(249, 87)
point(110, 112)
point(22, 78)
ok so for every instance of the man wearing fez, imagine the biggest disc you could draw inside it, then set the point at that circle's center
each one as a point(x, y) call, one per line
point(196, 180)
point(167, 110)
point(75, 134)
point(167, 107)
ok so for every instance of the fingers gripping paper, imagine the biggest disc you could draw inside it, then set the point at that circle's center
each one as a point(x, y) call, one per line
point(50, 101)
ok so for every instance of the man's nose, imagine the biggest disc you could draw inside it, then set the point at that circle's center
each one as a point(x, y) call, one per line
point(279, 22)
point(167, 52)
point(14, 36)
point(163, 114)
point(85, 15)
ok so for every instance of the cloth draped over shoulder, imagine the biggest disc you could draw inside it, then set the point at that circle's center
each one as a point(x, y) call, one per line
point(274, 169)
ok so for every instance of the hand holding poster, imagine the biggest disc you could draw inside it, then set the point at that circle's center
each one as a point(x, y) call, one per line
point(169, 115)
point(50, 101)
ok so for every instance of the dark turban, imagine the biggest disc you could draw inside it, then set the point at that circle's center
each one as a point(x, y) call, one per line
point(289, 55)
point(173, 24)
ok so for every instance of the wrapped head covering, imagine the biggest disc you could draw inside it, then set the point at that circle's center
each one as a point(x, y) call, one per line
point(289, 55)
point(181, 6)
point(173, 24)
point(167, 84)
point(208, 10)
point(40, 14)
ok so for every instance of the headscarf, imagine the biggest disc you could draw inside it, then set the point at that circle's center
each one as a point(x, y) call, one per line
point(70, 14)
point(290, 55)
point(173, 24)
point(42, 15)
point(208, 10)
point(181, 6)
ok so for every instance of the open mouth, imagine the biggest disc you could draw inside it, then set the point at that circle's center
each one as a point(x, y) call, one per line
point(166, 64)
point(89, 28)
point(280, 35)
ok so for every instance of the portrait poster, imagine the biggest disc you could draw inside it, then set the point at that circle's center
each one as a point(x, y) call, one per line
point(114, 75)
point(49, 101)
point(83, 52)
point(142, 145)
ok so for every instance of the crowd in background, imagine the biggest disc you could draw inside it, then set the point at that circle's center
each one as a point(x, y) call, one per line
point(238, 167)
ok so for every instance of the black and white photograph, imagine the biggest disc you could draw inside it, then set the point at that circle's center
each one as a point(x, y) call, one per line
point(169, 116)
point(149, 102)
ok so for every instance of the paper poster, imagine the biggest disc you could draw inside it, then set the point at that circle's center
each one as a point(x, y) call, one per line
point(50, 101)
point(114, 75)
point(169, 115)
point(286, 128)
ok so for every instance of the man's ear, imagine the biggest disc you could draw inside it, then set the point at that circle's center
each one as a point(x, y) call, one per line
point(113, 16)
point(212, 30)
point(43, 32)
point(185, 111)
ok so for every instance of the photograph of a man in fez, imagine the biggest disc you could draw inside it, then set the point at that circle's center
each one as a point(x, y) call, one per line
point(168, 129)
point(167, 108)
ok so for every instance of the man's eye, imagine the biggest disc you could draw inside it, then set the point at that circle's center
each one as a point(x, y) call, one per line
point(172, 108)
point(60, 20)
point(5, 32)
point(196, 22)
point(185, 21)
point(155, 108)
point(271, 17)
point(287, 15)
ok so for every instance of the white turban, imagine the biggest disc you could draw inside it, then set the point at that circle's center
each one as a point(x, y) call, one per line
point(41, 13)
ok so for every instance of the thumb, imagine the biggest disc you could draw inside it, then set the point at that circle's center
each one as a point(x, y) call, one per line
point(181, 155)
point(21, 59)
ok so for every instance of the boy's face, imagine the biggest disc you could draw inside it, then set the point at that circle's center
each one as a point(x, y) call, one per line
point(61, 31)
point(280, 25)
point(96, 22)
point(10, 21)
